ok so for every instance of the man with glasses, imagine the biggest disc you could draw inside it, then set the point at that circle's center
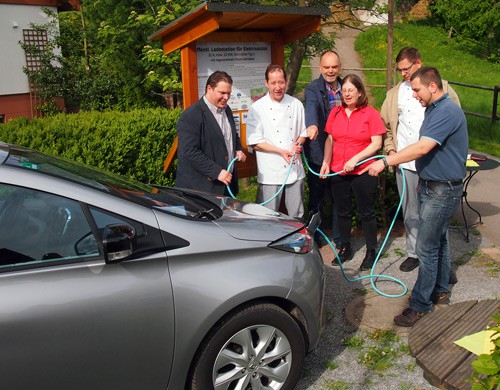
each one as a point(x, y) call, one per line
point(403, 116)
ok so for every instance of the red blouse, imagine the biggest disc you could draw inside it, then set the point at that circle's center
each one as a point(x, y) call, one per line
point(352, 134)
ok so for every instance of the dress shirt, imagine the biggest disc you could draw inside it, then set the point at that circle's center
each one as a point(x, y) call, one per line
point(221, 118)
point(410, 117)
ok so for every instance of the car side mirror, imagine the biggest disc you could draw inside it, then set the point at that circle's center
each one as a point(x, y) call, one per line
point(118, 242)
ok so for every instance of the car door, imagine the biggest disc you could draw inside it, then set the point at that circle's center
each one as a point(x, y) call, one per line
point(68, 320)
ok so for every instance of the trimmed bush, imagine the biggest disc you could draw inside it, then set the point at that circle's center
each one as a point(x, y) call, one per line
point(133, 144)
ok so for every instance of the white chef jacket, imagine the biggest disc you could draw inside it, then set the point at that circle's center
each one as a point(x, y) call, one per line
point(279, 124)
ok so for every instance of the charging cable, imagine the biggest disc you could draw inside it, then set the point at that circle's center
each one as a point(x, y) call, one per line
point(372, 276)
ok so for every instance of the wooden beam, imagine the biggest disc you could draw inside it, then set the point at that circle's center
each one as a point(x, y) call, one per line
point(172, 153)
point(278, 52)
point(181, 37)
point(251, 21)
point(241, 36)
point(189, 71)
point(301, 29)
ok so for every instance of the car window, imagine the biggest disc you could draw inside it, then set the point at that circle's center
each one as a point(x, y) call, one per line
point(37, 227)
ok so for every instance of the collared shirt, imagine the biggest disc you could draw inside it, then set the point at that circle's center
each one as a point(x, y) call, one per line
point(445, 124)
point(221, 118)
point(410, 117)
point(334, 95)
point(352, 135)
point(279, 124)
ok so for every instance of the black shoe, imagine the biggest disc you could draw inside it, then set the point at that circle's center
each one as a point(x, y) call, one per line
point(409, 264)
point(344, 252)
point(453, 277)
point(368, 260)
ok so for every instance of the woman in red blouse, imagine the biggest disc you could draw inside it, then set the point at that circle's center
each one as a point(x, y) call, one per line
point(355, 133)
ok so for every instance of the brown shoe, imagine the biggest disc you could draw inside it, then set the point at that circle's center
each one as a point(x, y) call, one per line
point(441, 299)
point(408, 318)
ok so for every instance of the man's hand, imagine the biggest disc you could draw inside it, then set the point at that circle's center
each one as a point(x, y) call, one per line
point(374, 169)
point(297, 148)
point(241, 156)
point(225, 177)
point(312, 132)
point(287, 155)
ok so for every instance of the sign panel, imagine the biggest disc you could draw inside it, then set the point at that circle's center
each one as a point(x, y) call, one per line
point(245, 62)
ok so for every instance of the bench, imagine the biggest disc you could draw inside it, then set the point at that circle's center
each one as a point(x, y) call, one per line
point(431, 341)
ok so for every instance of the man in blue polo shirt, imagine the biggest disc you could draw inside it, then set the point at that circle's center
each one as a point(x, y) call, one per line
point(440, 154)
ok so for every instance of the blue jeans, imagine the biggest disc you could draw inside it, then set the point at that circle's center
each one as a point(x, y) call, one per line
point(438, 202)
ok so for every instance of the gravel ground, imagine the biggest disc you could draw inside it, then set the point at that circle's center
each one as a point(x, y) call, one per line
point(334, 366)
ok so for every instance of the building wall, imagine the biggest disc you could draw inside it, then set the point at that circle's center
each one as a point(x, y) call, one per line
point(12, 106)
point(14, 87)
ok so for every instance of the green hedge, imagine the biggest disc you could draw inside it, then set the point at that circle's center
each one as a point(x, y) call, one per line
point(133, 144)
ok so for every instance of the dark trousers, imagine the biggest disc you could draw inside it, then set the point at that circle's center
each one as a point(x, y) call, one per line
point(364, 188)
point(317, 192)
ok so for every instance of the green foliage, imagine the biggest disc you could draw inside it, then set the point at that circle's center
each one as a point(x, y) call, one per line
point(382, 352)
point(337, 385)
point(453, 63)
point(476, 21)
point(331, 365)
point(100, 57)
point(487, 367)
point(133, 144)
point(354, 342)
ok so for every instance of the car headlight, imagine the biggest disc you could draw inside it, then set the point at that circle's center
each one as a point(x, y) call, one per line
point(298, 242)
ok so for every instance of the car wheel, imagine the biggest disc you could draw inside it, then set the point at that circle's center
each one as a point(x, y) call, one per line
point(258, 347)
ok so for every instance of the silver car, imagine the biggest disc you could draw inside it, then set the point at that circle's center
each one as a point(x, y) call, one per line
point(110, 284)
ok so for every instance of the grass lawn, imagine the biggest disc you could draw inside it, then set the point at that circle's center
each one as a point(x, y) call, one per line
point(453, 63)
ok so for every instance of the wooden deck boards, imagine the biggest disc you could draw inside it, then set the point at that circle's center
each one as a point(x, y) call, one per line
point(431, 341)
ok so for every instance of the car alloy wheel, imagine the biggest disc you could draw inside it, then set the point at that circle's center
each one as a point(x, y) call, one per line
point(259, 347)
point(256, 355)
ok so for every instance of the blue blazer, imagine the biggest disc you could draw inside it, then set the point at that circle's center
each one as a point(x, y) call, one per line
point(317, 111)
point(202, 152)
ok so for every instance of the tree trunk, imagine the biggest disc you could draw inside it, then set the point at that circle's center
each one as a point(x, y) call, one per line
point(295, 63)
point(296, 57)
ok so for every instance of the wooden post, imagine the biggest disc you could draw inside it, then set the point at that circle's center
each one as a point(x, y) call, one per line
point(390, 43)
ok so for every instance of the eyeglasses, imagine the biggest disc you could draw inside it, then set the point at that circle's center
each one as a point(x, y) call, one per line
point(349, 91)
point(404, 70)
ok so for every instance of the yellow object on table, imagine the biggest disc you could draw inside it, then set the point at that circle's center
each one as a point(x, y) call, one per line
point(478, 343)
point(471, 164)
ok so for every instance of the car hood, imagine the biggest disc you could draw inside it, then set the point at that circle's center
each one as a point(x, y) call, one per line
point(250, 221)
point(239, 219)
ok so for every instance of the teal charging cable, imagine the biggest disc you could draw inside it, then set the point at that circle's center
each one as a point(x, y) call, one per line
point(372, 275)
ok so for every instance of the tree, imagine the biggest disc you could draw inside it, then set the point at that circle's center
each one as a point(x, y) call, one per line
point(102, 59)
point(475, 23)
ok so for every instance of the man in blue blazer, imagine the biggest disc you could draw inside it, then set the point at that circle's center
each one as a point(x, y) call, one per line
point(321, 95)
point(208, 141)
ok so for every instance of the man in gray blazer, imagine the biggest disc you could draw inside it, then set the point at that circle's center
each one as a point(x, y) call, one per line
point(208, 141)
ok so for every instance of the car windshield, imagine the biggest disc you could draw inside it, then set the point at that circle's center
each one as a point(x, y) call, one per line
point(169, 200)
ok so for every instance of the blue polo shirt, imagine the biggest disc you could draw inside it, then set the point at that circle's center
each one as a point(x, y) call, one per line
point(444, 123)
